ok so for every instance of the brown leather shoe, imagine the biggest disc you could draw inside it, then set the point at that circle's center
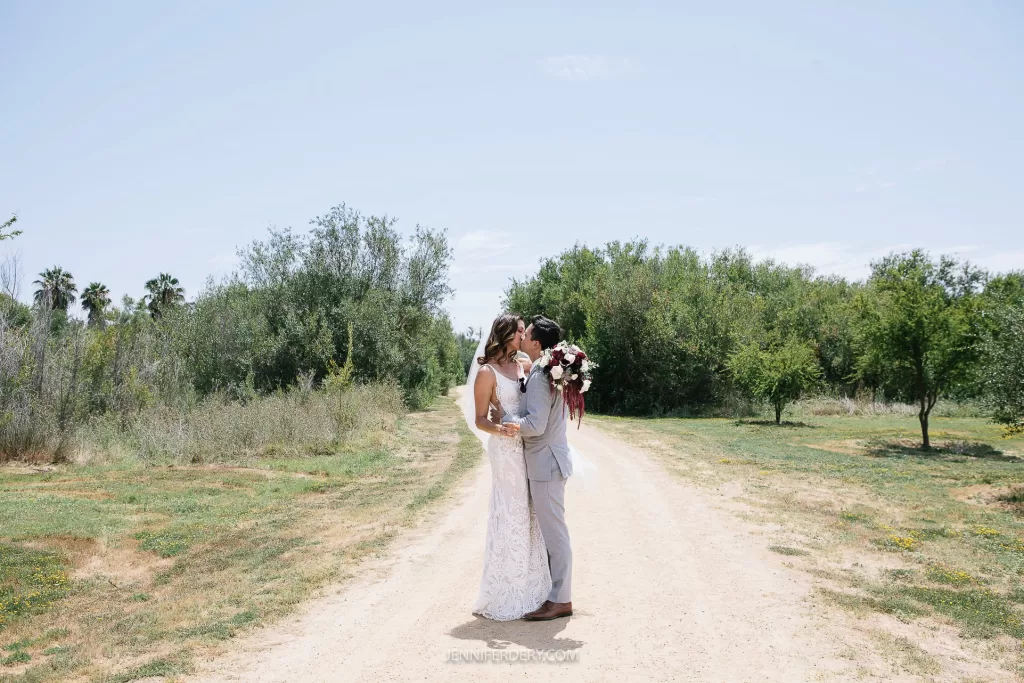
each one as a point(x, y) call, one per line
point(543, 608)
point(549, 610)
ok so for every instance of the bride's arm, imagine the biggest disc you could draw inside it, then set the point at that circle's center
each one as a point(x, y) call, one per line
point(483, 389)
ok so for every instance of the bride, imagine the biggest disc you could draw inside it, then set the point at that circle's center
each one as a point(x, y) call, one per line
point(516, 577)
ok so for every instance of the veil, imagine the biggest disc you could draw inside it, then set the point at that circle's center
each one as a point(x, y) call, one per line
point(582, 467)
point(468, 399)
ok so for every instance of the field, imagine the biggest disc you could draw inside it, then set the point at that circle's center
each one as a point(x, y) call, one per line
point(925, 551)
point(126, 570)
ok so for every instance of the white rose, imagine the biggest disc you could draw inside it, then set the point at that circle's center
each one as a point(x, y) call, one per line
point(543, 362)
point(556, 372)
point(574, 376)
point(570, 358)
point(585, 365)
point(586, 385)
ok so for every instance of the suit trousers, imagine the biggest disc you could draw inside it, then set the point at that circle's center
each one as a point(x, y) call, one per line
point(549, 503)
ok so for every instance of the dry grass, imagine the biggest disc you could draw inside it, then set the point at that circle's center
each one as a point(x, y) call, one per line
point(216, 430)
point(865, 407)
point(160, 563)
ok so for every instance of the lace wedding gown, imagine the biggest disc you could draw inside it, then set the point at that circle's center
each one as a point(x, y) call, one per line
point(516, 577)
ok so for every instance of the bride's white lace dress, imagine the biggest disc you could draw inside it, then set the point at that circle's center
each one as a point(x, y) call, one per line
point(516, 577)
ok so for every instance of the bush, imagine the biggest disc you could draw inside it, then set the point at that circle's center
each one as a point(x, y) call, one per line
point(219, 430)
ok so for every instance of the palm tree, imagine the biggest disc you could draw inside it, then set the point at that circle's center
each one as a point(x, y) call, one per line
point(95, 299)
point(164, 292)
point(56, 289)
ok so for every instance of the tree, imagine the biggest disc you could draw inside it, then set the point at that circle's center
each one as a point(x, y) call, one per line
point(95, 299)
point(5, 226)
point(918, 329)
point(164, 293)
point(468, 341)
point(778, 373)
point(1003, 375)
point(56, 289)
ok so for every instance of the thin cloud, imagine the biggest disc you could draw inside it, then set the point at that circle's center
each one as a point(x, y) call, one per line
point(493, 268)
point(1001, 262)
point(482, 242)
point(854, 262)
point(586, 67)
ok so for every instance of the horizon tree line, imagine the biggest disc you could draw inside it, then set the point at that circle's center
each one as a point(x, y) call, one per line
point(57, 291)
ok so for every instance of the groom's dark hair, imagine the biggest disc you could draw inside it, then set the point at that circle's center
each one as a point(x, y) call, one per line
point(546, 331)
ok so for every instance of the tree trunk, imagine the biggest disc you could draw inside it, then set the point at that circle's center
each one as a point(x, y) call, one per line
point(778, 413)
point(923, 416)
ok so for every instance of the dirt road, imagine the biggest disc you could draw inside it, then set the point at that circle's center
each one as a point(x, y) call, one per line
point(666, 586)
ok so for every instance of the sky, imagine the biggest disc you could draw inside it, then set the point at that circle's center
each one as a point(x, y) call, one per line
point(139, 138)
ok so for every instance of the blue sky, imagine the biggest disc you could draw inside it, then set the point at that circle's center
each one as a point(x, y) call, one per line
point(137, 138)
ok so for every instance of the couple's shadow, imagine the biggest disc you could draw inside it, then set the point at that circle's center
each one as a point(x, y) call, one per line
point(500, 635)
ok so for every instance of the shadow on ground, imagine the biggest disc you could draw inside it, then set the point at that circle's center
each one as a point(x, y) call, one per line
point(944, 450)
point(772, 423)
point(500, 635)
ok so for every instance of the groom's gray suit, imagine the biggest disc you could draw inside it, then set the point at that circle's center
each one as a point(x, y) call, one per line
point(542, 425)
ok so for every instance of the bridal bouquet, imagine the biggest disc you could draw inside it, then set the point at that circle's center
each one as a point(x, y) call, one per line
point(569, 370)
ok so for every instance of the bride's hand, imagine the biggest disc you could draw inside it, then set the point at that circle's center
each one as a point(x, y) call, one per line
point(510, 429)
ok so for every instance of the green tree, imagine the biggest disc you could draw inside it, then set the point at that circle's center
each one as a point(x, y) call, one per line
point(1006, 289)
point(1004, 369)
point(95, 300)
point(56, 289)
point(467, 342)
point(5, 226)
point(164, 293)
point(918, 329)
point(778, 373)
point(663, 322)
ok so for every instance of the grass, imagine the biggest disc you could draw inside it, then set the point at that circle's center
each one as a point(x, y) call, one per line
point(786, 550)
point(1014, 496)
point(936, 536)
point(904, 655)
point(145, 566)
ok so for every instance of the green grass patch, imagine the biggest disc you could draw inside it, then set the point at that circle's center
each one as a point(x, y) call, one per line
point(30, 581)
point(982, 613)
point(158, 667)
point(947, 575)
point(16, 657)
point(786, 550)
point(220, 630)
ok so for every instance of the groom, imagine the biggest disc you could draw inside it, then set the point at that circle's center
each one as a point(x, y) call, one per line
point(542, 426)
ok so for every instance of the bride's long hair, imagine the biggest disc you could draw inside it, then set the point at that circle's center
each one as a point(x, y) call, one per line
point(503, 331)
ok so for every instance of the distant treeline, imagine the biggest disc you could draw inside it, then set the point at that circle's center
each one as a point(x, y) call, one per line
point(676, 332)
point(351, 301)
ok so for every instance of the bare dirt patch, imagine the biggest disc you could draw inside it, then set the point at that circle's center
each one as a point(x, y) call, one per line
point(987, 495)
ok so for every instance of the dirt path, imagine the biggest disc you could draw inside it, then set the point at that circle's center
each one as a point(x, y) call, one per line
point(666, 586)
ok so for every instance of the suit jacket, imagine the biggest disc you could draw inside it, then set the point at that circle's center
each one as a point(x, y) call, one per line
point(542, 421)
